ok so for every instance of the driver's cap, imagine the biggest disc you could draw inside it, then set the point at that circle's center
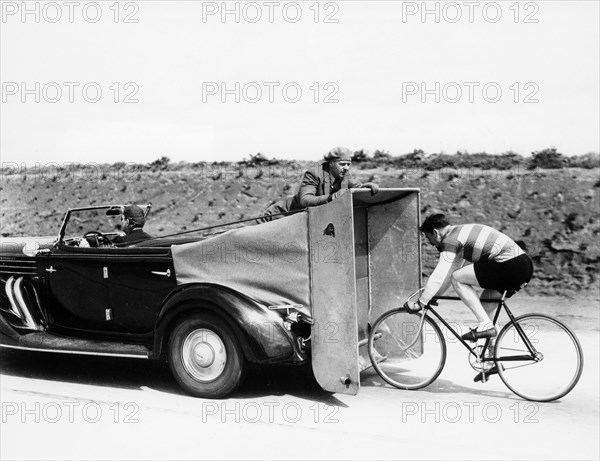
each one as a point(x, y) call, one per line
point(135, 214)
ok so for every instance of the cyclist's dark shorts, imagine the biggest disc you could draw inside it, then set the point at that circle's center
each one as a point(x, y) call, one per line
point(508, 275)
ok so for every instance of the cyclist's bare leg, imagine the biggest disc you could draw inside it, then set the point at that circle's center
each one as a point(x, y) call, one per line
point(463, 281)
point(490, 307)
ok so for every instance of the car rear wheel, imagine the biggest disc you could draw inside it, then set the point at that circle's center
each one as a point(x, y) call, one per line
point(205, 357)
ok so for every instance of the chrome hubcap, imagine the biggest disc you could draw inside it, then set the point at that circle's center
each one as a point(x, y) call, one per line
point(204, 355)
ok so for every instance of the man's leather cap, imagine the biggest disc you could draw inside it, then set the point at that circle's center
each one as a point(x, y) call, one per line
point(339, 153)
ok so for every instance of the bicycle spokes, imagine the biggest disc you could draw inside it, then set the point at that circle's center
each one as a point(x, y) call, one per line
point(413, 348)
point(536, 356)
point(404, 346)
point(541, 358)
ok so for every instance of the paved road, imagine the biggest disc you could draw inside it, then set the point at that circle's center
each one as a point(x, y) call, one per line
point(68, 407)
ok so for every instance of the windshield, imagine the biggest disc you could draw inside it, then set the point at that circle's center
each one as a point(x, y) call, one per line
point(95, 220)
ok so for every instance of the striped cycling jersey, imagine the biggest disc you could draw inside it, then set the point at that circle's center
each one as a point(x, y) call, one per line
point(476, 242)
point(472, 243)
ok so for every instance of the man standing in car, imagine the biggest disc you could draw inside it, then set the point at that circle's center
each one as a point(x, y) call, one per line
point(320, 183)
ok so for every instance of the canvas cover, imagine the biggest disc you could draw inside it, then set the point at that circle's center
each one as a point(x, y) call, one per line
point(268, 262)
point(346, 262)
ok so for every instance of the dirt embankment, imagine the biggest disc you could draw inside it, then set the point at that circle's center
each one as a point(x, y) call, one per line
point(554, 213)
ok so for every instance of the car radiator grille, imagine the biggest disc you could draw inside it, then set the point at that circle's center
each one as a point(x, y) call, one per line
point(10, 267)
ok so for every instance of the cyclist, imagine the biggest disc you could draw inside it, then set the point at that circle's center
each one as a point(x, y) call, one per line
point(498, 264)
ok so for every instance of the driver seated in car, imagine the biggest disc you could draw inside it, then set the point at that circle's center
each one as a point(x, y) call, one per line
point(132, 223)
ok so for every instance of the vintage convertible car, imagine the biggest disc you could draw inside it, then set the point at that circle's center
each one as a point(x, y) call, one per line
point(300, 287)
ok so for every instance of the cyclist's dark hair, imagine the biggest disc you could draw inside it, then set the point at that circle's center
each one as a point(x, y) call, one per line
point(435, 221)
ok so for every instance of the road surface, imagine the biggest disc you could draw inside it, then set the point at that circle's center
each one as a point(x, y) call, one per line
point(63, 407)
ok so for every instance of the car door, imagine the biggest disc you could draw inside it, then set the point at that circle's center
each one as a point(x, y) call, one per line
point(77, 288)
point(139, 279)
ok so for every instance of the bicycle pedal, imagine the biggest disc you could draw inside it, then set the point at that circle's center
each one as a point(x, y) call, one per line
point(484, 376)
point(481, 377)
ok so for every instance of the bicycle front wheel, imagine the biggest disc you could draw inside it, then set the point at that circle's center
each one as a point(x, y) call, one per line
point(404, 353)
point(538, 357)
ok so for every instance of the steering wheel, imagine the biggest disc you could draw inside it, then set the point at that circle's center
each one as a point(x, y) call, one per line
point(99, 238)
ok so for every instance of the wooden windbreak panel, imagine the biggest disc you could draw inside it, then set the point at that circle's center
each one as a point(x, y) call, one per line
point(369, 266)
point(361, 264)
point(333, 296)
point(394, 260)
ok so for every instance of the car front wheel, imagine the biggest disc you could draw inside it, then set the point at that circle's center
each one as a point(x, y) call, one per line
point(205, 357)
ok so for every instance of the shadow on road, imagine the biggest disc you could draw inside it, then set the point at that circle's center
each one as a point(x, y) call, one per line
point(124, 373)
point(90, 370)
point(370, 378)
point(279, 380)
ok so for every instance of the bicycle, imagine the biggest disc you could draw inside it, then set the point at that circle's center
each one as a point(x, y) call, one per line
point(536, 356)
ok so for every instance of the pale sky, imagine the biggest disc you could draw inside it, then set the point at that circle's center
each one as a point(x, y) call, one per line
point(372, 65)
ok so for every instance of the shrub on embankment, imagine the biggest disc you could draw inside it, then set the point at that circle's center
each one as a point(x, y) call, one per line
point(552, 211)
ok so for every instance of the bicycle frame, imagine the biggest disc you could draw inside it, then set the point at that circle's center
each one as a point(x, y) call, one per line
point(472, 349)
point(410, 369)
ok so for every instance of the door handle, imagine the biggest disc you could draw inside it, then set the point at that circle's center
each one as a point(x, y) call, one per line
point(167, 273)
point(52, 269)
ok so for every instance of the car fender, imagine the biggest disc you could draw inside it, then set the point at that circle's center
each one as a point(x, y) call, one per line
point(261, 331)
point(8, 335)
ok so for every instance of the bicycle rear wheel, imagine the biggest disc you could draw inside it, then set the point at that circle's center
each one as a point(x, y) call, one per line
point(404, 355)
point(555, 365)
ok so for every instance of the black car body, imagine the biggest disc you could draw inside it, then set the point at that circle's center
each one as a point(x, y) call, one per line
point(301, 287)
point(79, 293)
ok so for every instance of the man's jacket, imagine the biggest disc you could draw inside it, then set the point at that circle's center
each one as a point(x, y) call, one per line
point(316, 187)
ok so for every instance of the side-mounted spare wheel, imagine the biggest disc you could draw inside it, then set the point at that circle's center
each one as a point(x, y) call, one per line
point(205, 357)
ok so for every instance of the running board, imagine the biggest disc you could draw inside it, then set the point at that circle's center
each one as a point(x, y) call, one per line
point(47, 342)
